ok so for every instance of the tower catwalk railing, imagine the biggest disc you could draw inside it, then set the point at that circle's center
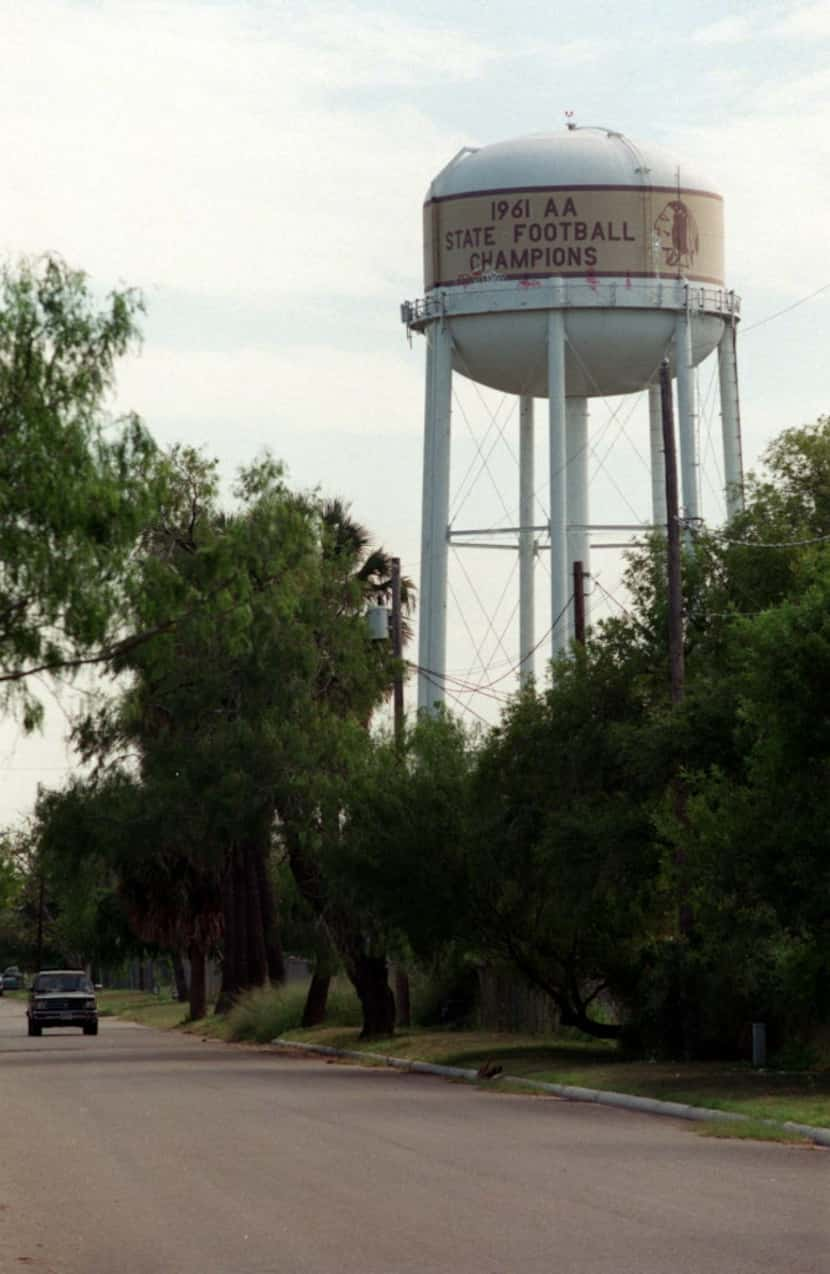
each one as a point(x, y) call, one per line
point(482, 295)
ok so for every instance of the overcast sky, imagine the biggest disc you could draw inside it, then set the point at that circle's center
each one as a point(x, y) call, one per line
point(257, 168)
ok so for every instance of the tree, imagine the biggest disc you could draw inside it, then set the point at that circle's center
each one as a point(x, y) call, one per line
point(400, 858)
point(121, 865)
point(73, 496)
point(350, 677)
point(358, 576)
point(196, 703)
point(751, 740)
point(249, 705)
point(757, 831)
point(564, 862)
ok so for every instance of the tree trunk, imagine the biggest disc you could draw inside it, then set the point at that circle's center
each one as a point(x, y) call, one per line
point(371, 981)
point(227, 991)
point(325, 967)
point(257, 958)
point(565, 993)
point(403, 1015)
point(314, 1012)
point(368, 974)
point(240, 920)
point(252, 949)
point(599, 1030)
point(270, 922)
point(180, 976)
point(41, 896)
point(198, 982)
point(141, 985)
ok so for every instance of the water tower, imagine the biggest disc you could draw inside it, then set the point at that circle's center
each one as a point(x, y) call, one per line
point(566, 266)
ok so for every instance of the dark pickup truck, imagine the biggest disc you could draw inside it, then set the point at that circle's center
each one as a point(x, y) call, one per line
point(62, 997)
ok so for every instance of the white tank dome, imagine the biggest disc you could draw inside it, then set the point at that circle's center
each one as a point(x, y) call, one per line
point(619, 234)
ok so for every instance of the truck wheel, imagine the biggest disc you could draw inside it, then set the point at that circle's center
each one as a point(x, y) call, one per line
point(91, 1029)
point(33, 1028)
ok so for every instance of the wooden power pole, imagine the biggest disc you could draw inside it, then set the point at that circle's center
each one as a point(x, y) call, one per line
point(685, 917)
point(673, 539)
point(579, 603)
point(402, 1008)
point(397, 650)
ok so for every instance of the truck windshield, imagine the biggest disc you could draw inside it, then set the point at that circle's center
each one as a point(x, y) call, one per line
point(62, 982)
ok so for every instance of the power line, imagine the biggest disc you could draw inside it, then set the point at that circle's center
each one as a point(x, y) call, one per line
point(824, 288)
point(465, 707)
point(431, 673)
point(615, 600)
point(773, 544)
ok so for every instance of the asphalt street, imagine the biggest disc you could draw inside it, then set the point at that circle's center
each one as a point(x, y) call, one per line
point(145, 1152)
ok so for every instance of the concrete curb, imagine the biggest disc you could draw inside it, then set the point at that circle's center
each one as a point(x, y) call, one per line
point(601, 1097)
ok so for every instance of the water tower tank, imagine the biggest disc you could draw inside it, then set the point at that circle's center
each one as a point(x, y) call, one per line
point(568, 266)
point(615, 221)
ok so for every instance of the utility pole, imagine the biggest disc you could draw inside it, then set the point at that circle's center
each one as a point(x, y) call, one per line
point(579, 603)
point(402, 1007)
point(673, 539)
point(397, 651)
point(41, 903)
point(685, 918)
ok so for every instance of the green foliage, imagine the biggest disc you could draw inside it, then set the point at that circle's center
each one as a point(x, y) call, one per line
point(16, 932)
point(251, 685)
point(562, 843)
point(85, 834)
point(73, 498)
point(757, 760)
point(11, 876)
point(404, 824)
point(566, 841)
point(563, 859)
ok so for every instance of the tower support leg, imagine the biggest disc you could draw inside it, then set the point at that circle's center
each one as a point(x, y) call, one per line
point(527, 599)
point(578, 538)
point(730, 413)
point(658, 462)
point(435, 511)
point(559, 580)
point(687, 420)
point(425, 586)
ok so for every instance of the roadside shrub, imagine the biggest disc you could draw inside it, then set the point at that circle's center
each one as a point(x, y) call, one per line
point(266, 1013)
point(699, 1000)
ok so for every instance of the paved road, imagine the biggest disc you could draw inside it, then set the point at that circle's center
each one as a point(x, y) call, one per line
point(141, 1152)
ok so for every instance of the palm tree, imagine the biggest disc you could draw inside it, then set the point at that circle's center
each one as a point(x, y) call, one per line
point(346, 541)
